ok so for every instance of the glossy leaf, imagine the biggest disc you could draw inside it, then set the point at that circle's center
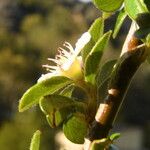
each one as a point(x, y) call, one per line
point(51, 103)
point(105, 71)
point(79, 94)
point(121, 17)
point(76, 128)
point(96, 30)
point(106, 15)
point(100, 144)
point(103, 78)
point(35, 142)
point(58, 108)
point(108, 5)
point(67, 91)
point(148, 46)
point(36, 92)
point(114, 136)
point(93, 60)
point(57, 117)
point(134, 7)
point(148, 40)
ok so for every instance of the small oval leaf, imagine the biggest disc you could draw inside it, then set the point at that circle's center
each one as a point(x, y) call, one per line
point(96, 30)
point(108, 5)
point(76, 128)
point(134, 7)
point(105, 71)
point(35, 142)
point(101, 144)
point(148, 41)
point(51, 103)
point(114, 136)
point(120, 19)
point(57, 117)
point(36, 92)
point(58, 108)
point(148, 47)
point(67, 91)
point(93, 60)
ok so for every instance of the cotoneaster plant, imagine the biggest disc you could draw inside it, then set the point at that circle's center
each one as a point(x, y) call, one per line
point(92, 116)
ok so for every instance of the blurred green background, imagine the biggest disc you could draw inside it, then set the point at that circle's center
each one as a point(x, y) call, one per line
point(31, 31)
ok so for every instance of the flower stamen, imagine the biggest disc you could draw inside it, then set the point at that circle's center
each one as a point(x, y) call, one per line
point(67, 62)
point(48, 66)
point(69, 46)
point(53, 60)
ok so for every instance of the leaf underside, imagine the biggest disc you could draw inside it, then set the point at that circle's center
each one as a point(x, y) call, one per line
point(36, 92)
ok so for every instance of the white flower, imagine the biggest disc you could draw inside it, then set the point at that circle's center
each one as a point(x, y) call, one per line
point(68, 62)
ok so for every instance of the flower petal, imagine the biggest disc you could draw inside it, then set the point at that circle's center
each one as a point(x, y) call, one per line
point(82, 41)
point(46, 76)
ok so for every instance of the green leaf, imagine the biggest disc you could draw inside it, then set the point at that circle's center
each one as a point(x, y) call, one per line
point(106, 15)
point(35, 142)
point(67, 91)
point(36, 92)
point(134, 7)
point(51, 120)
point(51, 103)
point(58, 108)
point(57, 117)
point(100, 144)
point(148, 40)
point(93, 59)
point(108, 5)
point(105, 71)
point(79, 94)
point(96, 30)
point(148, 47)
point(87, 48)
point(121, 17)
point(76, 128)
point(114, 136)
point(103, 78)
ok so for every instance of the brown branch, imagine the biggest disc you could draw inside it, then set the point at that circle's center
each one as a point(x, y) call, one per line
point(130, 41)
point(127, 65)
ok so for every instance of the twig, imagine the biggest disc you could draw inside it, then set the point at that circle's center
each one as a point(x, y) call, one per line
point(130, 41)
point(130, 59)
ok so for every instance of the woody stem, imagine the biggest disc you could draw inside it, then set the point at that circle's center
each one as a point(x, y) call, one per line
point(128, 63)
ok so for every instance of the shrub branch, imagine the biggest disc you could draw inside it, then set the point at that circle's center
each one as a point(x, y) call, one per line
point(128, 63)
